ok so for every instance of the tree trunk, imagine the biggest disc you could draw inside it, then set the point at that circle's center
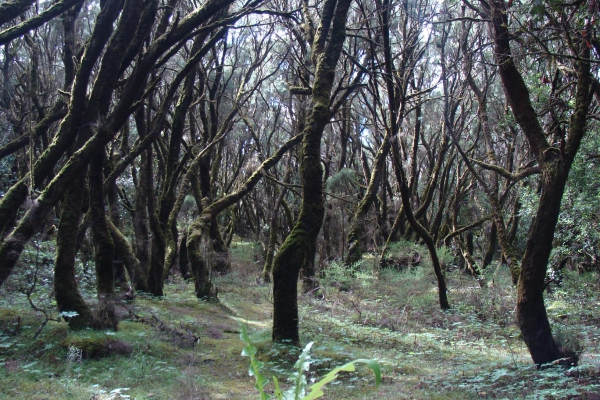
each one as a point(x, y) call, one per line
point(292, 254)
point(103, 243)
point(491, 249)
point(157, 257)
point(555, 164)
point(66, 292)
point(531, 311)
point(141, 227)
point(183, 257)
point(358, 221)
point(125, 253)
point(274, 227)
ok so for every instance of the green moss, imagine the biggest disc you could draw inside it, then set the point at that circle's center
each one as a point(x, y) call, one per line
point(95, 346)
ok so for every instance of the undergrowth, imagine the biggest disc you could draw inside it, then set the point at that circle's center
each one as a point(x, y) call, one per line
point(178, 347)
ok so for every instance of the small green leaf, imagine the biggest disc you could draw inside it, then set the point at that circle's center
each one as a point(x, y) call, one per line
point(315, 390)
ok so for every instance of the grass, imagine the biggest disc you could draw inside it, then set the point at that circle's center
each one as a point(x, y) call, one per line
point(180, 348)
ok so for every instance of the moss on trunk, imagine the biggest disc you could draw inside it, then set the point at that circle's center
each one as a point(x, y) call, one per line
point(103, 243)
point(200, 253)
point(554, 164)
point(124, 252)
point(221, 262)
point(301, 242)
point(66, 292)
point(141, 227)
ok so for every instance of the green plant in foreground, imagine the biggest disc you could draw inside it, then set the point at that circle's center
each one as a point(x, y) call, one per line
point(298, 389)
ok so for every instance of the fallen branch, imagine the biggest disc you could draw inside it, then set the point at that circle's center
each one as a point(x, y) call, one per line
point(185, 336)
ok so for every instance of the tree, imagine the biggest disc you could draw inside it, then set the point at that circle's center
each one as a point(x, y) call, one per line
point(299, 246)
point(92, 120)
point(554, 161)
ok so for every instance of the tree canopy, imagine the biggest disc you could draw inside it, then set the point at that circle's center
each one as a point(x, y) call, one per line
point(146, 136)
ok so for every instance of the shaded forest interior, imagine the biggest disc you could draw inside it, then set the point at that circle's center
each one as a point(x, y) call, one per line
point(343, 144)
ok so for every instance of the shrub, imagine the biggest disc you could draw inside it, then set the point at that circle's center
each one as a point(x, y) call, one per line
point(337, 274)
point(569, 345)
point(404, 254)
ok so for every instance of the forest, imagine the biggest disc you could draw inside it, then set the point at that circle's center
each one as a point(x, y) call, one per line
point(411, 184)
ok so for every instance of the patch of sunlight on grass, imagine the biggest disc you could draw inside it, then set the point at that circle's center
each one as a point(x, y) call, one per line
point(558, 304)
point(260, 324)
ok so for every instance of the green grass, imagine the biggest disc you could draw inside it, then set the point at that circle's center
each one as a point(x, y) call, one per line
point(472, 351)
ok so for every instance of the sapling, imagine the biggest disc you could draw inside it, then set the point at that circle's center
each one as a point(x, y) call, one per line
point(298, 390)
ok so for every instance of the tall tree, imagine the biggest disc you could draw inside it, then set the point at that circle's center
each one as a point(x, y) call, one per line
point(554, 162)
point(301, 242)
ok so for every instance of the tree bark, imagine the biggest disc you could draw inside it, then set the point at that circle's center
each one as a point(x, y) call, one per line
point(66, 291)
point(141, 228)
point(297, 246)
point(555, 164)
point(103, 243)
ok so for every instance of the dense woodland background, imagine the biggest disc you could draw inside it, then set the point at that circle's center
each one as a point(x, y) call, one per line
point(142, 139)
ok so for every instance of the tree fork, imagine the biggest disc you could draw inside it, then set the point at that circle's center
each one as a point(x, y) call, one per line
point(554, 165)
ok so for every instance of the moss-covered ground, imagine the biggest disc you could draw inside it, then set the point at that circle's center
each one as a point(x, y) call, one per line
point(177, 347)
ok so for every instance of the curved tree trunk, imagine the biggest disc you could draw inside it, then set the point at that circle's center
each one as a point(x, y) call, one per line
point(554, 164)
point(419, 229)
point(103, 243)
point(298, 245)
point(66, 292)
point(358, 221)
point(199, 244)
point(124, 252)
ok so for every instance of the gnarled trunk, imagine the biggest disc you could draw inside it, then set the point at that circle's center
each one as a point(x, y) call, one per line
point(554, 164)
point(66, 291)
point(200, 248)
point(103, 243)
point(300, 243)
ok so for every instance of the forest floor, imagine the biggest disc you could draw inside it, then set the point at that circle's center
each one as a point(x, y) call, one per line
point(177, 347)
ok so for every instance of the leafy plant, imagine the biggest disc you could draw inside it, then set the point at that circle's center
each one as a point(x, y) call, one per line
point(297, 377)
point(337, 274)
point(341, 180)
point(405, 254)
